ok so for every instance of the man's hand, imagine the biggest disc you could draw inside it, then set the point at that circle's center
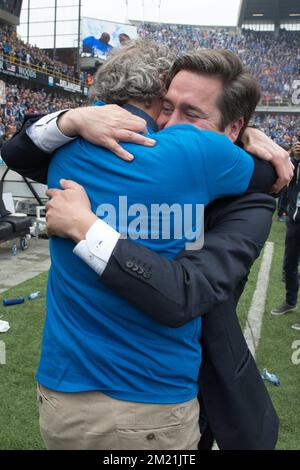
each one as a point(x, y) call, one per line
point(263, 147)
point(68, 213)
point(106, 126)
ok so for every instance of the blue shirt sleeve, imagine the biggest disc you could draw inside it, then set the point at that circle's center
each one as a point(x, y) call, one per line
point(228, 168)
point(89, 41)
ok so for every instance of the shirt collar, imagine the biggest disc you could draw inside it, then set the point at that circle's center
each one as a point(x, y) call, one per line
point(151, 124)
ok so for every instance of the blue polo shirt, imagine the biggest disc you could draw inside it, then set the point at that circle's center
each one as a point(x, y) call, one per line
point(95, 340)
point(97, 45)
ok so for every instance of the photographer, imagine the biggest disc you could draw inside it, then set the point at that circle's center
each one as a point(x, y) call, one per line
point(292, 240)
point(283, 201)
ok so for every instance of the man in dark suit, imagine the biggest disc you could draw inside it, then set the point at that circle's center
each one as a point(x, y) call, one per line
point(207, 281)
point(292, 242)
point(174, 292)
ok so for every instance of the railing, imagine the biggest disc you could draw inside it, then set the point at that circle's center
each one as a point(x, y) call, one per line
point(270, 102)
point(44, 70)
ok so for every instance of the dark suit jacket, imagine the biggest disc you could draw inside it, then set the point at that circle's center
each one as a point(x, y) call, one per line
point(207, 282)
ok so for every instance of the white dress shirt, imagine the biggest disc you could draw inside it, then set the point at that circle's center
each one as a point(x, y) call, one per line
point(96, 249)
point(101, 239)
point(45, 134)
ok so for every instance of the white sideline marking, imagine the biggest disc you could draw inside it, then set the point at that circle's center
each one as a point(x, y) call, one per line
point(255, 315)
point(254, 320)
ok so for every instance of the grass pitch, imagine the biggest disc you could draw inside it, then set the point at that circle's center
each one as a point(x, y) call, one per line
point(19, 427)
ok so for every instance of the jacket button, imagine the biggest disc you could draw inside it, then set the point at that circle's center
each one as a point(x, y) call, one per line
point(140, 271)
point(129, 264)
point(135, 267)
point(146, 275)
point(150, 437)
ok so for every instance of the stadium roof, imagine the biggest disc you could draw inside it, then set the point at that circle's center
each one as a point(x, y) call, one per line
point(269, 11)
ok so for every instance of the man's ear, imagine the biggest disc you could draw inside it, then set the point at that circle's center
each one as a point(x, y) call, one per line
point(234, 128)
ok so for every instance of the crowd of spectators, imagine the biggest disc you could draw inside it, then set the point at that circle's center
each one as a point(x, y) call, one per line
point(14, 48)
point(281, 128)
point(273, 57)
point(20, 101)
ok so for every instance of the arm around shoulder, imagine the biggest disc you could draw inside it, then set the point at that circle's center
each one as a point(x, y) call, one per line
point(175, 292)
point(23, 156)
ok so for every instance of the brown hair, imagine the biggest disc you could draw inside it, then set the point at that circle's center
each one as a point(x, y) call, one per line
point(241, 91)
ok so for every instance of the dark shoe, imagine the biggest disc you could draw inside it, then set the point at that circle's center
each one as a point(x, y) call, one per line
point(284, 308)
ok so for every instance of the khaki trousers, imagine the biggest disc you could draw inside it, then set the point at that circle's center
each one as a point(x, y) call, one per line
point(95, 421)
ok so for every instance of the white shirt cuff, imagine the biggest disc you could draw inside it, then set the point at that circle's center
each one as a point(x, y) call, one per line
point(46, 135)
point(99, 243)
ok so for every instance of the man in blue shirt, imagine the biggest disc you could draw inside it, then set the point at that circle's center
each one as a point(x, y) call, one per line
point(97, 47)
point(139, 368)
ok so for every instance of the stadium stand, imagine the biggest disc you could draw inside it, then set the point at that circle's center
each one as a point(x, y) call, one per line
point(255, 48)
point(21, 100)
point(19, 52)
point(281, 128)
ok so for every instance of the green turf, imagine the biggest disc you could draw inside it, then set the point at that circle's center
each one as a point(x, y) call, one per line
point(19, 427)
point(275, 350)
point(275, 347)
point(18, 412)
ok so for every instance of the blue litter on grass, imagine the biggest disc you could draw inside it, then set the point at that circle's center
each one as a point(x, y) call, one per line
point(266, 375)
point(13, 301)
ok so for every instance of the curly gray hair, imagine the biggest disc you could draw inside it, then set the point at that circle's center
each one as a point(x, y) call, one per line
point(135, 71)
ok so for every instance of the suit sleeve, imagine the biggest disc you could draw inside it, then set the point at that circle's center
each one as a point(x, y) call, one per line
point(175, 292)
point(264, 174)
point(263, 177)
point(23, 156)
